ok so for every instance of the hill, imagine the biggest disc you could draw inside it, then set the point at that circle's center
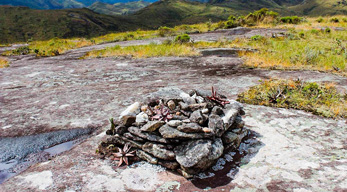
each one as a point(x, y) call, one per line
point(18, 24)
point(59, 4)
point(320, 7)
point(118, 8)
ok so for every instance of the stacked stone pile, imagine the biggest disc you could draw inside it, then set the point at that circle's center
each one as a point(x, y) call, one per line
point(187, 133)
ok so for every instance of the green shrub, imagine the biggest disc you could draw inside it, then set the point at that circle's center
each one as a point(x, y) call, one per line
point(334, 20)
point(320, 20)
point(327, 30)
point(22, 51)
point(231, 18)
point(165, 31)
point(182, 38)
point(302, 35)
point(257, 38)
point(220, 25)
point(314, 31)
point(291, 20)
point(230, 24)
point(344, 19)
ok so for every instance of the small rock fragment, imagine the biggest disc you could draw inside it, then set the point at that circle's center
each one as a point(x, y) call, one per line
point(174, 123)
point(183, 105)
point(187, 99)
point(144, 108)
point(173, 165)
point(128, 120)
point(142, 118)
point(147, 157)
point(207, 130)
point(198, 117)
point(152, 126)
point(204, 111)
point(197, 106)
point(171, 104)
point(159, 151)
point(131, 110)
point(190, 128)
point(120, 129)
point(217, 110)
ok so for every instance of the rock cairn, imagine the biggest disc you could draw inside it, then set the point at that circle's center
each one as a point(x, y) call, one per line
point(187, 133)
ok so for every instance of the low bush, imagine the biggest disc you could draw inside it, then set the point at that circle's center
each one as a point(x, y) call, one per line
point(185, 38)
point(21, 51)
point(257, 38)
point(334, 20)
point(291, 20)
point(165, 31)
point(320, 20)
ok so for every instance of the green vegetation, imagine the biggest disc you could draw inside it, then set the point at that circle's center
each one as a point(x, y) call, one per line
point(323, 50)
point(118, 8)
point(319, 99)
point(4, 62)
point(182, 38)
point(291, 20)
point(143, 51)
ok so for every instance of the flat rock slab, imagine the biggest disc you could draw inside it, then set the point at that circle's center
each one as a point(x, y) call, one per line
point(290, 150)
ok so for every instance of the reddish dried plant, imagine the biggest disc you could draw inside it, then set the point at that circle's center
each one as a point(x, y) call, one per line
point(217, 99)
point(161, 113)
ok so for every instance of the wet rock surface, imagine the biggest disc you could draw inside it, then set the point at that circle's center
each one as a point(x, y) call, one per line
point(289, 150)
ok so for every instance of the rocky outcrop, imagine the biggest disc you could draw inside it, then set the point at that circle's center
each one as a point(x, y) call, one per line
point(183, 132)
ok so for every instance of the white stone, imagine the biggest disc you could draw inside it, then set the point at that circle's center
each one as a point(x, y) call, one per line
point(142, 118)
point(131, 110)
point(187, 99)
point(174, 123)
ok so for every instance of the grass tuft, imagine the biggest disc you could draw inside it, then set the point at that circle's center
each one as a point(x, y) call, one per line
point(4, 62)
point(144, 51)
point(320, 99)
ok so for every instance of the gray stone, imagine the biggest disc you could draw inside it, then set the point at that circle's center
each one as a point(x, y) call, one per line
point(187, 98)
point(142, 118)
point(216, 123)
point(179, 117)
point(127, 120)
point(133, 137)
point(238, 123)
point(190, 128)
point(173, 165)
point(147, 157)
point(198, 117)
point(197, 106)
point(147, 135)
point(174, 123)
point(198, 155)
point(217, 110)
point(120, 140)
point(120, 129)
point(229, 137)
point(132, 110)
point(186, 121)
point(172, 133)
point(152, 126)
point(183, 105)
point(159, 151)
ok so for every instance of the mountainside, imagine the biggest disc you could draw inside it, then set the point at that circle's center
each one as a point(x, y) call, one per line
point(320, 7)
point(174, 12)
point(59, 4)
point(118, 8)
point(21, 24)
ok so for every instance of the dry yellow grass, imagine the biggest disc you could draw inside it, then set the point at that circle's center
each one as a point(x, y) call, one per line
point(4, 62)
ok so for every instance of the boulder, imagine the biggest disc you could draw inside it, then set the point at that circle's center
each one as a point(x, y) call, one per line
point(198, 155)
point(158, 150)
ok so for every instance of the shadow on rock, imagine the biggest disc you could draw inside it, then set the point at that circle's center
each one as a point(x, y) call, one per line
point(226, 168)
